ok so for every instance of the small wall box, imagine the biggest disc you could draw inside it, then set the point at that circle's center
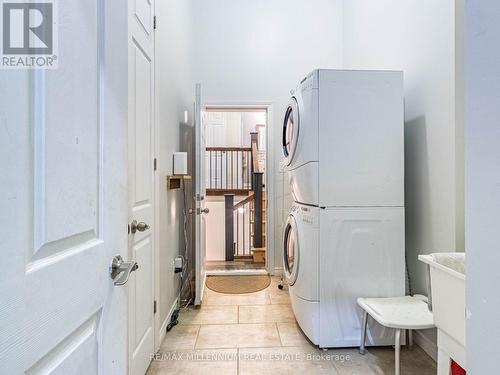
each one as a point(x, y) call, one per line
point(175, 181)
point(180, 171)
point(180, 164)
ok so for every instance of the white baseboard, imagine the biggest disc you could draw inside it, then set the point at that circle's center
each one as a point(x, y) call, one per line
point(163, 327)
point(278, 271)
point(427, 344)
point(198, 300)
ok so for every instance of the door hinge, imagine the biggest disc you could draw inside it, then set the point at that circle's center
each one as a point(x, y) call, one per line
point(154, 164)
point(154, 23)
point(154, 307)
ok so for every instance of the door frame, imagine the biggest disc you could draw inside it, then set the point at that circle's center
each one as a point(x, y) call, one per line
point(156, 191)
point(268, 106)
point(157, 323)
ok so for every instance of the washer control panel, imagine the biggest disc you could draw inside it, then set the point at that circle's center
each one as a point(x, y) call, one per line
point(303, 214)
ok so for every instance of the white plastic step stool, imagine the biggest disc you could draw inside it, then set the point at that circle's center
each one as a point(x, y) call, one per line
point(409, 313)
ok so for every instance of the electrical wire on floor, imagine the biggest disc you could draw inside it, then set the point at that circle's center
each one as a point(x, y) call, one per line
point(186, 301)
point(280, 285)
point(182, 304)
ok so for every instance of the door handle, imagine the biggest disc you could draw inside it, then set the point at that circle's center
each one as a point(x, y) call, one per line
point(122, 268)
point(203, 211)
point(141, 227)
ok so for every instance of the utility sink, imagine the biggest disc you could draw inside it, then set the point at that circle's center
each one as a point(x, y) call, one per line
point(447, 302)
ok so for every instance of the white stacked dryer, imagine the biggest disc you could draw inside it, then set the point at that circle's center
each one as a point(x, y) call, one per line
point(343, 143)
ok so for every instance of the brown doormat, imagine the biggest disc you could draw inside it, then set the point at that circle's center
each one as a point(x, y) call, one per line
point(238, 284)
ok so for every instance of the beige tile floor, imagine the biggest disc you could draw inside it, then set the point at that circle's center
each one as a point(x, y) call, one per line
point(256, 334)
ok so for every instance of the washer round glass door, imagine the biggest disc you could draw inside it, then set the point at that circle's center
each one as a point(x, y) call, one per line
point(290, 130)
point(291, 250)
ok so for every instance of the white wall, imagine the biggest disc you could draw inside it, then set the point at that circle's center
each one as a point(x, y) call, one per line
point(215, 229)
point(223, 129)
point(257, 51)
point(420, 37)
point(482, 98)
point(249, 122)
point(174, 96)
point(233, 128)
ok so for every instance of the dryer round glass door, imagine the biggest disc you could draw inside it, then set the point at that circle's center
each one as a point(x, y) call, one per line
point(291, 251)
point(290, 130)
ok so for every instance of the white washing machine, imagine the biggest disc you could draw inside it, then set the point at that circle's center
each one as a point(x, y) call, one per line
point(332, 256)
point(300, 263)
point(343, 146)
point(343, 139)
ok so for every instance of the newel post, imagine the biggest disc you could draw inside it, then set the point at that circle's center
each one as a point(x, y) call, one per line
point(229, 226)
point(257, 222)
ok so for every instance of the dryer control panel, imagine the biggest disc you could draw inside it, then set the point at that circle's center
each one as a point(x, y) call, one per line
point(305, 214)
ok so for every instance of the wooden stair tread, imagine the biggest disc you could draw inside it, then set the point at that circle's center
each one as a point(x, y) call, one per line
point(222, 192)
point(259, 255)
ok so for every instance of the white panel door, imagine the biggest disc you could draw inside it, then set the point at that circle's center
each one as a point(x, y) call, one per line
point(200, 193)
point(141, 184)
point(63, 208)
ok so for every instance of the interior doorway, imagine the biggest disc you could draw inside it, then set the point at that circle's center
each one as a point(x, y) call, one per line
point(236, 157)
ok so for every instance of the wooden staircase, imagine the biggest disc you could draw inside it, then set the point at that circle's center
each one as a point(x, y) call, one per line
point(239, 172)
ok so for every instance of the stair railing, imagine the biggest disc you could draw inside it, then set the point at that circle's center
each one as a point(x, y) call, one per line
point(244, 220)
point(229, 170)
